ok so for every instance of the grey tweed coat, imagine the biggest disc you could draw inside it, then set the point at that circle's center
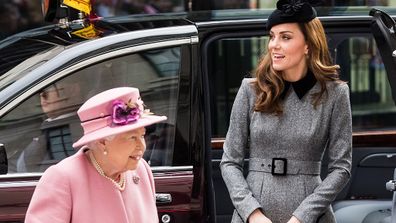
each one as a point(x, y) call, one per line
point(300, 135)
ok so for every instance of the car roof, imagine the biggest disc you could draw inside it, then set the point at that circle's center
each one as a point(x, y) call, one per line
point(13, 49)
point(119, 24)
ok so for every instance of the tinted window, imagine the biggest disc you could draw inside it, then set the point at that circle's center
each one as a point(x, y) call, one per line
point(361, 66)
point(41, 130)
point(371, 97)
point(13, 54)
point(231, 59)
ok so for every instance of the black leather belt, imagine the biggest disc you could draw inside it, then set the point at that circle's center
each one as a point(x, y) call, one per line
point(282, 166)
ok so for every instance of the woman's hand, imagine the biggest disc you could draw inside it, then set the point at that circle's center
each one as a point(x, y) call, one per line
point(258, 217)
point(293, 220)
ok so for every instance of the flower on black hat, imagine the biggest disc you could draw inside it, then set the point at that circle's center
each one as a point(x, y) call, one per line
point(300, 11)
point(290, 7)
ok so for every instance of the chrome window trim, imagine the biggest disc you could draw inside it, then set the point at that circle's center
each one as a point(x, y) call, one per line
point(26, 183)
point(112, 54)
point(20, 175)
point(160, 169)
point(18, 184)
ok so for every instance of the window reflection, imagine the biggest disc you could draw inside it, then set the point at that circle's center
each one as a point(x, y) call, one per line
point(40, 131)
point(371, 97)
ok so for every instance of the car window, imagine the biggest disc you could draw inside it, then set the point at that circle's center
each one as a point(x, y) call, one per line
point(14, 51)
point(40, 131)
point(29, 64)
point(371, 96)
point(232, 59)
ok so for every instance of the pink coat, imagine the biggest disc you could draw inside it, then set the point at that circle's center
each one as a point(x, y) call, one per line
point(73, 191)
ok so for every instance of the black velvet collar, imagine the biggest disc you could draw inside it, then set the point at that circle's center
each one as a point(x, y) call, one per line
point(301, 87)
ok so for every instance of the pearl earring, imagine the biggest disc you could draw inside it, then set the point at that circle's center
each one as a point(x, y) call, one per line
point(105, 152)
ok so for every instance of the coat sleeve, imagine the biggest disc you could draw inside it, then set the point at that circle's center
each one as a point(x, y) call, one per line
point(235, 146)
point(340, 160)
point(51, 201)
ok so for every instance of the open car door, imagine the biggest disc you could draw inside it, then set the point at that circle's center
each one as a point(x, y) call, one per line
point(383, 28)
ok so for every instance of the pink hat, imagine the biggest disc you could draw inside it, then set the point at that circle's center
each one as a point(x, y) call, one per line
point(113, 112)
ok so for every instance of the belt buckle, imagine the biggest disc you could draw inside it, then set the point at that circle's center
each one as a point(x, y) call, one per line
point(284, 171)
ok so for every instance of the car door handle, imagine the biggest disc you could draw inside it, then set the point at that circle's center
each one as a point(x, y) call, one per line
point(161, 198)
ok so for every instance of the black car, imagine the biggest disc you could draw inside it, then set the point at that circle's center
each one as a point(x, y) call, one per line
point(188, 66)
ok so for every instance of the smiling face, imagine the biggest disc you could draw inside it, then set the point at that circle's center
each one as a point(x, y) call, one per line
point(288, 50)
point(124, 151)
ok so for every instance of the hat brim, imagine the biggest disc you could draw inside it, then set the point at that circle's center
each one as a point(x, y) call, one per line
point(115, 130)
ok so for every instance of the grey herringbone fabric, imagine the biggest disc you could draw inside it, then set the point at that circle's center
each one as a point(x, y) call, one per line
point(302, 133)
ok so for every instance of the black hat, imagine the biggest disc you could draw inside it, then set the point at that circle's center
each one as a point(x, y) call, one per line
point(287, 11)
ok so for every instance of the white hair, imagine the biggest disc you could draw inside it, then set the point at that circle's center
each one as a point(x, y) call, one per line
point(109, 138)
point(93, 144)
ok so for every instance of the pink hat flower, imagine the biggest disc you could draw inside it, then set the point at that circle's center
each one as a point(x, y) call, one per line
point(124, 113)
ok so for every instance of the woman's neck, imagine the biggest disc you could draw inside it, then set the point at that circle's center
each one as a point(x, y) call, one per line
point(104, 164)
point(295, 74)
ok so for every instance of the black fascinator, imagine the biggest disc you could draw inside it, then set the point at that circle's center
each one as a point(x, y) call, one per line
point(288, 11)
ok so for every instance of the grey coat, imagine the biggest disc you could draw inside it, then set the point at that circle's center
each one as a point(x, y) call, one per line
point(300, 135)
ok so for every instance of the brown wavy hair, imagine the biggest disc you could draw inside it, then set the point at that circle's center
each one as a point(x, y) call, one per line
point(269, 84)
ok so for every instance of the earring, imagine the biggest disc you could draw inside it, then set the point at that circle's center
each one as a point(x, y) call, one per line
point(105, 152)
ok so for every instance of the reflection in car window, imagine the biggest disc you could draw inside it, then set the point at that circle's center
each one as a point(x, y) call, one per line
point(40, 131)
point(232, 59)
point(371, 97)
point(14, 51)
point(27, 64)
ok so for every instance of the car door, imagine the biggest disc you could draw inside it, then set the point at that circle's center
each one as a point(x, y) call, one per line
point(233, 53)
point(38, 121)
point(383, 27)
point(374, 149)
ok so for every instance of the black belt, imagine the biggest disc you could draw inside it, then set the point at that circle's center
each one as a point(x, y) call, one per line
point(282, 166)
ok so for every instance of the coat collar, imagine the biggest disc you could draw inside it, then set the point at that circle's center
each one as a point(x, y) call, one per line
point(301, 87)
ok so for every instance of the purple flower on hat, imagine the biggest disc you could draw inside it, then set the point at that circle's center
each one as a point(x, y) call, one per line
point(124, 113)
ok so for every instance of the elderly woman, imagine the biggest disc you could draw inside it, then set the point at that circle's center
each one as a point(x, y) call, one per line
point(106, 180)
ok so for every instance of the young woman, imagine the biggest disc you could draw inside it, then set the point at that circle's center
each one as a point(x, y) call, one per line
point(106, 180)
point(286, 117)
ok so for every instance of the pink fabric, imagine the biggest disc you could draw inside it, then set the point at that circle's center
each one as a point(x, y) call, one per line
point(95, 115)
point(101, 105)
point(72, 191)
point(91, 126)
point(114, 130)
